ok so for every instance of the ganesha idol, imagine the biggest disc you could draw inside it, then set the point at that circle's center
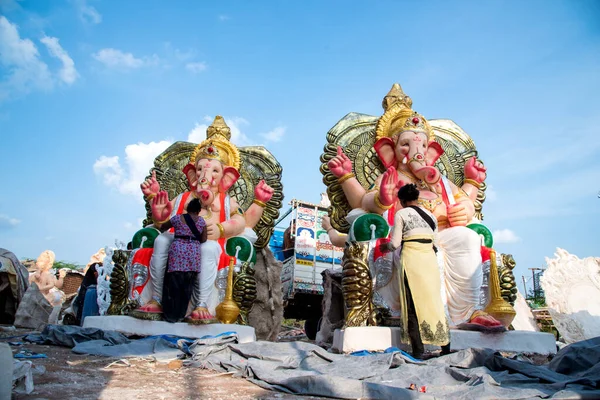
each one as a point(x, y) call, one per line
point(240, 191)
point(367, 159)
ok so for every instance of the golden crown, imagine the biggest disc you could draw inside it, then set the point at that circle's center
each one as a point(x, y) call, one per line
point(217, 145)
point(399, 116)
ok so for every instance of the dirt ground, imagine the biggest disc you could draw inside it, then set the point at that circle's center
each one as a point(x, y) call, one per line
point(72, 376)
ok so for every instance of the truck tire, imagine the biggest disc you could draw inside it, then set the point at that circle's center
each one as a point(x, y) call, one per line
point(311, 327)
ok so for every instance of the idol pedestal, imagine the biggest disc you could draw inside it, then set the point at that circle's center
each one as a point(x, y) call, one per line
point(379, 338)
point(133, 326)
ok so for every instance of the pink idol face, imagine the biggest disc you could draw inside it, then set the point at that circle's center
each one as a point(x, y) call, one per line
point(411, 143)
point(209, 173)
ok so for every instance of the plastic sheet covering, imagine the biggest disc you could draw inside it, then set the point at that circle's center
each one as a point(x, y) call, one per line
point(69, 336)
point(306, 369)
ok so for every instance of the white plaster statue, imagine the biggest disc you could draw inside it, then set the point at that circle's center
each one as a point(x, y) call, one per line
point(572, 289)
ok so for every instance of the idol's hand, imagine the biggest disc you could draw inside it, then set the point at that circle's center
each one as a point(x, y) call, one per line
point(457, 214)
point(150, 186)
point(340, 165)
point(263, 192)
point(161, 207)
point(475, 170)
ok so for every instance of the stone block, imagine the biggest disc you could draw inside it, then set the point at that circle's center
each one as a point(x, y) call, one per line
point(509, 341)
point(370, 338)
point(133, 326)
point(34, 310)
point(377, 338)
point(6, 377)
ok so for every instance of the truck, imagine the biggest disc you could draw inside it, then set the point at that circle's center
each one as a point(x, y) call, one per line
point(303, 262)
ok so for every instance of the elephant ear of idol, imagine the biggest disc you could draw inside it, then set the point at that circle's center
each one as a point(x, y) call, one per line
point(355, 133)
point(257, 163)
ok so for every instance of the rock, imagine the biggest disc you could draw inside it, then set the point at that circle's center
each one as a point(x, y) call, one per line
point(333, 307)
point(572, 289)
point(34, 310)
point(266, 314)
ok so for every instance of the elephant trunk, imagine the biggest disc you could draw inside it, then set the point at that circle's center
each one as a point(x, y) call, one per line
point(206, 196)
point(430, 175)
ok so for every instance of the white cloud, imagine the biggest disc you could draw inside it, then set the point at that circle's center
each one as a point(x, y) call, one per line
point(25, 71)
point(139, 158)
point(505, 236)
point(7, 222)
point(238, 138)
point(87, 13)
point(68, 73)
point(274, 135)
point(224, 17)
point(196, 67)
point(128, 225)
point(110, 170)
point(113, 58)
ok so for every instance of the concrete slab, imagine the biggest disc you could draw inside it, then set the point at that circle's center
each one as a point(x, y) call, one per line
point(370, 338)
point(6, 378)
point(133, 326)
point(513, 341)
point(376, 338)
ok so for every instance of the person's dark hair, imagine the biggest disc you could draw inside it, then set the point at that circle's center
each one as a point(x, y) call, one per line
point(408, 193)
point(194, 206)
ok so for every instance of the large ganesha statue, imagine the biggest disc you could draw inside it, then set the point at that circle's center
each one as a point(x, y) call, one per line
point(366, 160)
point(241, 193)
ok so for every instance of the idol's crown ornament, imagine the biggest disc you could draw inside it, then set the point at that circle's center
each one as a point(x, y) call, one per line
point(399, 116)
point(217, 145)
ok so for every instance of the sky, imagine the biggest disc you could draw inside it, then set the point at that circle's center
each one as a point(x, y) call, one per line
point(91, 91)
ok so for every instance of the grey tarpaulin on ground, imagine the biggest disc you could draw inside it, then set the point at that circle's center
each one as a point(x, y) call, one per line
point(304, 368)
point(307, 369)
point(70, 335)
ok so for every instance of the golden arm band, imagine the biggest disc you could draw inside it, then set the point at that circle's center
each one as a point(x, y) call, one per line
point(260, 203)
point(221, 230)
point(473, 182)
point(379, 204)
point(344, 178)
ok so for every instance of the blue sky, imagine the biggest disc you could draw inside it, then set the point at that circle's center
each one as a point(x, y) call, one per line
point(91, 91)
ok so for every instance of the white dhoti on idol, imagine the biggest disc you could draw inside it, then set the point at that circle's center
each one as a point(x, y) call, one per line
point(459, 253)
point(205, 292)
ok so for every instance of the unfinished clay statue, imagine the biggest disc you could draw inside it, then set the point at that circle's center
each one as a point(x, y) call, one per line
point(46, 281)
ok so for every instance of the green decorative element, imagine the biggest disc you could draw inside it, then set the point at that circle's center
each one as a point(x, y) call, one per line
point(149, 233)
point(362, 227)
point(488, 239)
point(246, 251)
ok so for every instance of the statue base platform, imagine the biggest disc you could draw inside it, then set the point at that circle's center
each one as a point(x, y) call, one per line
point(379, 338)
point(133, 326)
